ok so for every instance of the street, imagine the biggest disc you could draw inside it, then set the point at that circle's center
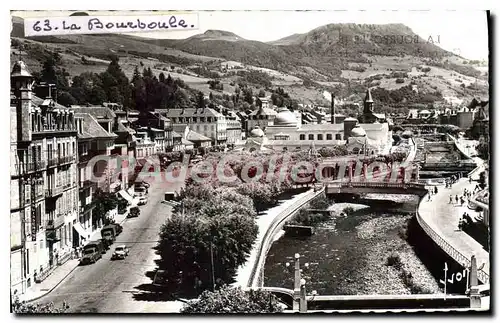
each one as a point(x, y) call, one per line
point(121, 286)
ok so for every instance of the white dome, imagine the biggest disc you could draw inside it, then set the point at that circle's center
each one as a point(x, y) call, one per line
point(285, 117)
point(256, 132)
point(358, 132)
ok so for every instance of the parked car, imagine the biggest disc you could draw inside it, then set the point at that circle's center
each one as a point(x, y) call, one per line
point(143, 200)
point(134, 212)
point(120, 252)
point(140, 190)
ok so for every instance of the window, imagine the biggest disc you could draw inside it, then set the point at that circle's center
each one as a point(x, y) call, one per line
point(195, 119)
point(328, 136)
point(302, 137)
point(311, 137)
point(338, 136)
point(320, 136)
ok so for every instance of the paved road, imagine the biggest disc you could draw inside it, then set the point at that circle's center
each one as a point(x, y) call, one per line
point(115, 286)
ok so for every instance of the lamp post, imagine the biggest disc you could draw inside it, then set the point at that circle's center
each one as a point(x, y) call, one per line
point(299, 290)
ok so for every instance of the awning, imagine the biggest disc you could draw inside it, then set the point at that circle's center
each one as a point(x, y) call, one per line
point(81, 231)
point(127, 197)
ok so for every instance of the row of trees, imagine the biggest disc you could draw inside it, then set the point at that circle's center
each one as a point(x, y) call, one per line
point(143, 92)
point(212, 231)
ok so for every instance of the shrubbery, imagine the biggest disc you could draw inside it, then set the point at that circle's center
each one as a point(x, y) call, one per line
point(233, 300)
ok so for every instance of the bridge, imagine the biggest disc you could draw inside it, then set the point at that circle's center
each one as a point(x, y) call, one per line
point(462, 166)
point(375, 187)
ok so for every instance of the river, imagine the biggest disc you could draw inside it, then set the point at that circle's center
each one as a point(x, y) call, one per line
point(349, 255)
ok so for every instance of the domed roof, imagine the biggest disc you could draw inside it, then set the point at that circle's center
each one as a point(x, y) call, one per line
point(256, 132)
point(357, 131)
point(285, 117)
point(20, 69)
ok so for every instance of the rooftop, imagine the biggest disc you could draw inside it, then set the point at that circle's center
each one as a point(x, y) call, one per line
point(194, 136)
point(189, 112)
point(91, 128)
point(98, 112)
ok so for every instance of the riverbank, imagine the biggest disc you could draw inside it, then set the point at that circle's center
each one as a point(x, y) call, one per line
point(349, 255)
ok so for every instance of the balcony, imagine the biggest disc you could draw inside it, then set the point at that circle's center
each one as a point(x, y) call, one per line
point(66, 160)
point(87, 184)
point(52, 161)
point(26, 168)
point(38, 194)
point(53, 191)
point(56, 223)
point(87, 207)
point(66, 186)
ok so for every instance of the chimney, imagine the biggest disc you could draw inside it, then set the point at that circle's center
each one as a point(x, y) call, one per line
point(332, 108)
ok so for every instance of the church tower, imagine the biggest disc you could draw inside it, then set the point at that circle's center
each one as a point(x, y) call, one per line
point(368, 103)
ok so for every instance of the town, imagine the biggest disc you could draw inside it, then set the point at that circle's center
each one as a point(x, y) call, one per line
point(136, 193)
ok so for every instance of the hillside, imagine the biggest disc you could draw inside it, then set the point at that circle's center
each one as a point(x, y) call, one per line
point(345, 58)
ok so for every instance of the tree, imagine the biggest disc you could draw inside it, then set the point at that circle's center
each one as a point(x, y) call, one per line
point(200, 100)
point(104, 202)
point(214, 225)
point(262, 93)
point(19, 307)
point(234, 300)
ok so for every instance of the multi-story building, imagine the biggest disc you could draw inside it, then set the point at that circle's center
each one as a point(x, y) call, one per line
point(205, 121)
point(93, 140)
point(102, 123)
point(159, 129)
point(44, 200)
point(233, 131)
point(262, 117)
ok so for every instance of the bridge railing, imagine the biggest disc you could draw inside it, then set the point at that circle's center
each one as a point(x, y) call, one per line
point(448, 248)
point(451, 165)
point(267, 240)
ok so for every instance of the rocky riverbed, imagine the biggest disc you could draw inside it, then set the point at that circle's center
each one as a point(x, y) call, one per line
point(361, 253)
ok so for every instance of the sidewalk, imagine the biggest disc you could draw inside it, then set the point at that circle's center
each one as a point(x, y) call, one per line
point(263, 221)
point(443, 218)
point(59, 274)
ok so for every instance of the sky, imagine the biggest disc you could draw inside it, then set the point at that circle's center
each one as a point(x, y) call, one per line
point(463, 32)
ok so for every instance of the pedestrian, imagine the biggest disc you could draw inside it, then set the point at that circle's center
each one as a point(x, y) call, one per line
point(435, 190)
point(428, 197)
point(451, 199)
point(470, 179)
point(456, 199)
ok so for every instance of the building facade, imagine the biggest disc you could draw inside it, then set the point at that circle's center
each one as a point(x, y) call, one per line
point(44, 193)
point(205, 121)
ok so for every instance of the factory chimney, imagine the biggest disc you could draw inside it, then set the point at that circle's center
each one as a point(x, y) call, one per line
point(332, 108)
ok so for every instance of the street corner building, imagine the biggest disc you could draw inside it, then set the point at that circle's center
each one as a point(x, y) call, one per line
point(43, 179)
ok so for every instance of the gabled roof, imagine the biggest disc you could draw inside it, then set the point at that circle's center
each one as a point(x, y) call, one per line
point(98, 112)
point(92, 128)
point(175, 134)
point(186, 142)
point(194, 136)
point(39, 101)
point(263, 111)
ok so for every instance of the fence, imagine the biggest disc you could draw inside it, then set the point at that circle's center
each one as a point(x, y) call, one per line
point(448, 248)
point(273, 228)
